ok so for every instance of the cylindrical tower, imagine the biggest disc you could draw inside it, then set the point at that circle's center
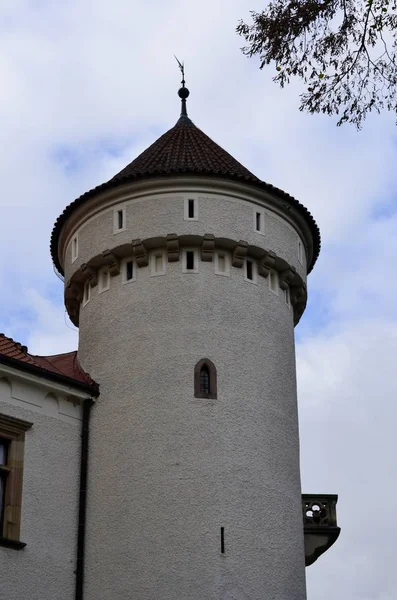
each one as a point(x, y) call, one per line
point(186, 274)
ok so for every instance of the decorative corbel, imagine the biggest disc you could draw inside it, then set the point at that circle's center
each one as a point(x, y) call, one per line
point(89, 274)
point(172, 241)
point(298, 294)
point(267, 263)
point(286, 277)
point(74, 291)
point(239, 254)
point(112, 262)
point(141, 254)
point(207, 247)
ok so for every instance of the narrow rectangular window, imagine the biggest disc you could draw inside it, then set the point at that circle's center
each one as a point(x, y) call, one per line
point(104, 280)
point(120, 219)
point(75, 248)
point(221, 263)
point(190, 211)
point(222, 540)
point(158, 263)
point(250, 271)
point(86, 293)
point(129, 270)
point(191, 208)
point(273, 282)
point(286, 296)
point(190, 260)
point(300, 252)
point(258, 221)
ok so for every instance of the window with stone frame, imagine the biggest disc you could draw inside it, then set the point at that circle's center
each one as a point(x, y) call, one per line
point(205, 379)
point(12, 441)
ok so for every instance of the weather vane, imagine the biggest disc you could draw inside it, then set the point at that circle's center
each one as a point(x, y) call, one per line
point(183, 92)
point(182, 68)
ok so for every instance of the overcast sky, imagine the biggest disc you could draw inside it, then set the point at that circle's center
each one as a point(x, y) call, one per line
point(85, 86)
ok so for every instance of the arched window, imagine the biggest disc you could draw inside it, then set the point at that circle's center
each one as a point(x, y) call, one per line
point(205, 379)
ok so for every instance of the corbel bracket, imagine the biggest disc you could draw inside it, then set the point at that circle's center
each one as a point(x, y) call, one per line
point(112, 262)
point(141, 254)
point(267, 263)
point(207, 247)
point(172, 241)
point(239, 253)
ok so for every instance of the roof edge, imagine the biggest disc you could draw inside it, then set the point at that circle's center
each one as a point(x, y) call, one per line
point(92, 389)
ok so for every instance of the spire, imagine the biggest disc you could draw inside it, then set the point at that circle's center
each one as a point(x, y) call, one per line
point(183, 92)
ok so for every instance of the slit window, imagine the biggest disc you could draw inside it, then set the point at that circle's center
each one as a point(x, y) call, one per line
point(300, 252)
point(191, 209)
point(119, 220)
point(204, 380)
point(249, 270)
point(190, 260)
point(273, 282)
point(129, 270)
point(75, 248)
point(86, 293)
point(259, 220)
point(286, 296)
point(104, 280)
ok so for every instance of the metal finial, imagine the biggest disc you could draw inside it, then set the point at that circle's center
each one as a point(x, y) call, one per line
point(183, 92)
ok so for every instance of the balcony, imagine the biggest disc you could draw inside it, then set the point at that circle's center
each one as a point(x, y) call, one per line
point(319, 522)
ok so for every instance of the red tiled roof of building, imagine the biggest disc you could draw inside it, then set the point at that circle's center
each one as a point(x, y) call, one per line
point(64, 365)
point(184, 149)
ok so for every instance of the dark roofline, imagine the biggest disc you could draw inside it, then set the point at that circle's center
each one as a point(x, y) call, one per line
point(254, 182)
point(91, 389)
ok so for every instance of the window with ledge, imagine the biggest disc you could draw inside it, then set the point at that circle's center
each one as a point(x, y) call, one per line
point(12, 439)
point(75, 247)
point(119, 220)
point(273, 282)
point(103, 280)
point(86, 293)
point(191, 209)
point(250, 270)
point(300, 252)
point(190, 261)
point(205, 379)
point(158, 263)
point(259, 220)
point(286, 296)
point(127, 270)
point(222, 263)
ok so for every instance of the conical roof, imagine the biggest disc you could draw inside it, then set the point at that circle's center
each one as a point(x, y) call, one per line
point(184, 149)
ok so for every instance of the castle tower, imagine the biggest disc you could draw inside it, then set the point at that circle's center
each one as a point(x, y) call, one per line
point(186, 275)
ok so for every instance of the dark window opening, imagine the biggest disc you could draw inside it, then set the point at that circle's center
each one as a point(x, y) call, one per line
point(222, 540)
point(204, 380)
point(258, 221)
point(120, 219)
point(249, 267)
point(129, 268)
point(191, 209)
point(190, 260)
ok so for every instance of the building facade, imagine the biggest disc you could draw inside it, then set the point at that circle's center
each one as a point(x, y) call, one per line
point(186, 274)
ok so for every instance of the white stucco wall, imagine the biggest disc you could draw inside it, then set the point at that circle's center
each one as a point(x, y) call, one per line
point(44, 569)
point(157, 214)
point(167, 471)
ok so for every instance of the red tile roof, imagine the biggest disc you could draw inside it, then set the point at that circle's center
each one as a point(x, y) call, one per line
point(184, 149)
point(62, 365)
